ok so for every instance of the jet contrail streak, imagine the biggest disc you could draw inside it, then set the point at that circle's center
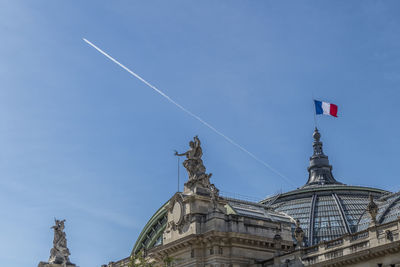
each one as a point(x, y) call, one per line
point(189, 112)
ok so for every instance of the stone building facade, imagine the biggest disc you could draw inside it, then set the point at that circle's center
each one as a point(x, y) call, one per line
point(378, 245)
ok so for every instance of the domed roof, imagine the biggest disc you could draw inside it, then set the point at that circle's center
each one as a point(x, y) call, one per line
point(326, 208)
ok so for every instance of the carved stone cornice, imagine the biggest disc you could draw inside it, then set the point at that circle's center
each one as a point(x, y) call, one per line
point(220, 238)
point(363, 255)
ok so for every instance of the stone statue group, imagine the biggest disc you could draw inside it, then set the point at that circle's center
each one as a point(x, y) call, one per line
point(193, 163)
point(195, 167)
point(59, 254)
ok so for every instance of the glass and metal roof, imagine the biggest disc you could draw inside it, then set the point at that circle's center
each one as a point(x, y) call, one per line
point(388, 211)
point(151, 234)
point(257, 211)
point(326, 208)
point(326, 215)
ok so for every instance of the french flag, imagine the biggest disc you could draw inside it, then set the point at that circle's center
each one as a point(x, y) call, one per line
point(325, 108)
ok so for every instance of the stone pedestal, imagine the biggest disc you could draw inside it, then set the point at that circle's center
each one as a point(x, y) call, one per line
point(46, 264)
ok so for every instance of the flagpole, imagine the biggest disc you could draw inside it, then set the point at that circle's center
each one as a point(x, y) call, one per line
point(315, 116)
point(178, 173)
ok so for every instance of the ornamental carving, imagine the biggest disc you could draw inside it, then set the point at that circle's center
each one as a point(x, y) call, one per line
point(372, 209)
point(299, 234)
point(179, 220)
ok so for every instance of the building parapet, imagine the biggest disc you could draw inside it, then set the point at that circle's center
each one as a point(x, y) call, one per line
point(369, 244)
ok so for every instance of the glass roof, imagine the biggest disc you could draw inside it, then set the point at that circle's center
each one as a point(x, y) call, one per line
point(388, 211)
point(325, 214)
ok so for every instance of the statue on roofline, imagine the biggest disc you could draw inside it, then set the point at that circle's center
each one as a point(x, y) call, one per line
point(195, 151)
point(299, 234)
point(59, 254)
point(194, 164)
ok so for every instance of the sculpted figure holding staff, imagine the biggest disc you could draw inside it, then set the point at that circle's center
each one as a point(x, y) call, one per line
point(194, 152)
point(193, 163)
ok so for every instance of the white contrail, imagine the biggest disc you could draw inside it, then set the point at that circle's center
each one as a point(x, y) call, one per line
point(189, 112)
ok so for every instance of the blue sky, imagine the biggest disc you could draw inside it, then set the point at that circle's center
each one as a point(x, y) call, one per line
point(81, 139)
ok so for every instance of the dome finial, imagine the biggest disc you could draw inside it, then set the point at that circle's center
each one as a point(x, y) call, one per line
point(316, 135)
point(320, 171)
point(317, 145)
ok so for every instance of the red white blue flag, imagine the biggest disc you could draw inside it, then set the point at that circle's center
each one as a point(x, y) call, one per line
point(325, 108)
